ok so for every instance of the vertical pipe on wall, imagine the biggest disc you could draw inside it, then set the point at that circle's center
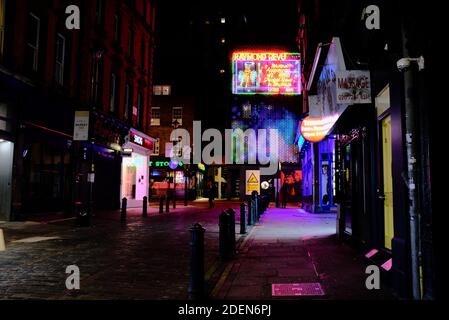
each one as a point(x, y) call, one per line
point(412, 174)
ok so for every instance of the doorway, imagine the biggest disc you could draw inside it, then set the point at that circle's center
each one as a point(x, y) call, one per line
point(6, 160)
point(387, 181)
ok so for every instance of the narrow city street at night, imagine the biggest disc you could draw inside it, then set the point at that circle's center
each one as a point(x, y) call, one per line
point(222, 159)
point(142, 258)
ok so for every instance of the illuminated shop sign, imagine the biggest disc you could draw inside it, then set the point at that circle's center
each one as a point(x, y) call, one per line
point(163, 164)
point(316, 129)
point(141, 141)
point(266, 73)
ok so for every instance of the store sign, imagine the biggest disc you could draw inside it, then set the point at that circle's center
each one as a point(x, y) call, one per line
point(316, 129)
point(81, 126)
point(353, 86)
point(164, 164)
point(252, 181)
point(141, 141)
point(138, 140)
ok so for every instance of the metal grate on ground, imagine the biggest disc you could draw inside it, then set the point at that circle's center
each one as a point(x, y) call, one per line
point(297, 289)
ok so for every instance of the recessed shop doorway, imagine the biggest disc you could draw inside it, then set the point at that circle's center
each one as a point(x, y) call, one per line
point(6, 159)
point(386, 187)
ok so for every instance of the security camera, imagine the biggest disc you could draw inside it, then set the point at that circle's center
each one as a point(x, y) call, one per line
point(404, 63)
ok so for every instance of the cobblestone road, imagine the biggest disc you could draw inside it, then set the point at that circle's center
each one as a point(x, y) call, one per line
point(146, 258)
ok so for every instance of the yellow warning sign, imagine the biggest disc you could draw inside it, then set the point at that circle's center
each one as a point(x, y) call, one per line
point(252, 181)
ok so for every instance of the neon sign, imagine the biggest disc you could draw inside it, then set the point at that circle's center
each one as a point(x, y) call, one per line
point(316, 129)
point(266, 73)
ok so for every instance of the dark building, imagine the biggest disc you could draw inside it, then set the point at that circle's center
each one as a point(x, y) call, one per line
point(378, 205)
point(49, 72)
point(169, 112)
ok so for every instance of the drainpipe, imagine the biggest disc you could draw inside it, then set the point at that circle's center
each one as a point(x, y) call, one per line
point(412, 173)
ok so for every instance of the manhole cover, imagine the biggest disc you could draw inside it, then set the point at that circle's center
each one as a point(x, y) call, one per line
point(297, 289)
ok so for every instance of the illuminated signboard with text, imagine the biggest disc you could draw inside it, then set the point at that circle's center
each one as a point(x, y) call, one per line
point(266, 73)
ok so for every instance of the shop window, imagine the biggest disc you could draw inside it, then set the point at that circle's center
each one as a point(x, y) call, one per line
point(155, 116)
point(177, 115)
point(60, 59)
point(33, 33)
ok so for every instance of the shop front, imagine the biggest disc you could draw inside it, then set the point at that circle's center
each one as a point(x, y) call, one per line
point(169, 177)
point(6, 161)
point(135, 169)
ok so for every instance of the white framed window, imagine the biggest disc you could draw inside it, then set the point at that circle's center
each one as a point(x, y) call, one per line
point(34, 26)
point(157, 145)
point(60, 59)
point(177, 115)
point(155, 116)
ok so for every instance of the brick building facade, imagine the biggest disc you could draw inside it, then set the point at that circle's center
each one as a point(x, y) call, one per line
point(47, 73)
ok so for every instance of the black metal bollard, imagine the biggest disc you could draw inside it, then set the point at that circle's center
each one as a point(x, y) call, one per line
point(231, 230)
point(255, 206)
point(82, 215)
point(196, 280)
point(224, 241)
point(145, 207)
point(242, 218)
point(161, 204)
point(124, 205)
point(167, 204)
point(250, 212)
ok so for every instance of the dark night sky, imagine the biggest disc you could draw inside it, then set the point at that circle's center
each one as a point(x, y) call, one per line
point(189, 55)
point(181, 24)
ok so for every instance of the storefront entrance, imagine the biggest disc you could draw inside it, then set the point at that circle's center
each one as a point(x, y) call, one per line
point(6, 159)
point(387, 181)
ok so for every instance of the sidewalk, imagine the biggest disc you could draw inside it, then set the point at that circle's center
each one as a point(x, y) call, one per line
point(291, 246)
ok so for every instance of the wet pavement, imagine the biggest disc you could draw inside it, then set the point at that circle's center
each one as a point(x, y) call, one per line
point(291, 246)
point(148, 258)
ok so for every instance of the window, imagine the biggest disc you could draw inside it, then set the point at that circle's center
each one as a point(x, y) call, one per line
point(128, 100)
point(142, 53)
point(157, 144)
point(155, 116)
point(177, 115)
point(140, 110)
point(113, 93)
point(60, 58)
point(117, 27)
point(97, 81)
point(99, 12)
point(131, 42)
point(32, 54)
point(223, 20)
